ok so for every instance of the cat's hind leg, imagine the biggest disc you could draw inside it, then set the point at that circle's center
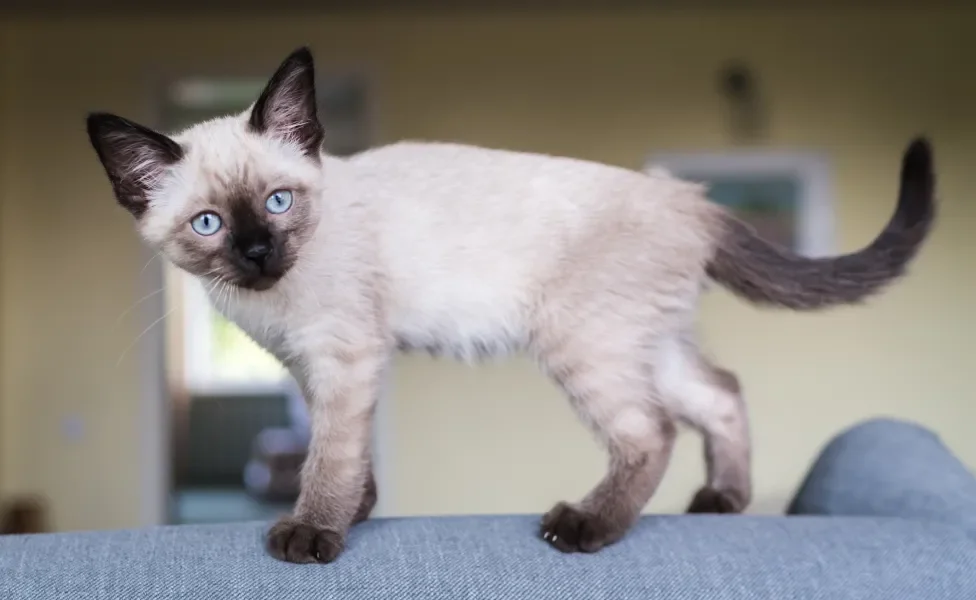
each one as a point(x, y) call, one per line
point(709, 398)
point(608, 381)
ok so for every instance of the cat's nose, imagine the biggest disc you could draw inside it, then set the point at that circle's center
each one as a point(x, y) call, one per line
point(258, 252)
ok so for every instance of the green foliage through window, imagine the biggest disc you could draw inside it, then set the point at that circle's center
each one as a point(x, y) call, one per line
point(236, 357)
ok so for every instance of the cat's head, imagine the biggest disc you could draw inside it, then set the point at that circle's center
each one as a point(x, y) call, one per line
point(232, 199)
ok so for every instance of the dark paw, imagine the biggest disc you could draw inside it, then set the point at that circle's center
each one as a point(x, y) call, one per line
point(710, 500)
point(570, 529)
point(296, 542)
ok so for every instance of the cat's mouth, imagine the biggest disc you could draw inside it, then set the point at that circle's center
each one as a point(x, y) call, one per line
point(261, 279)
point(260, 273)
point(258, 283)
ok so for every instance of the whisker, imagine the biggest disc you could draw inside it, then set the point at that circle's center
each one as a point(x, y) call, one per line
point(144, 332)
point(231, 294)
point(151, 294)
point(146, 266)
point(135, 304)
point(213, 284)
point(224, 287)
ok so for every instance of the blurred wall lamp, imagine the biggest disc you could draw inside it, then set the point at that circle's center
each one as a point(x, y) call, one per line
point(748, 119)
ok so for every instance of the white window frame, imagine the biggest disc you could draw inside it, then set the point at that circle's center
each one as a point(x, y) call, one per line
point(815, 213)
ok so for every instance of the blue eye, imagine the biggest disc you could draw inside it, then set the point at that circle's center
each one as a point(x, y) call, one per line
point(207, 223)
point(278, 202)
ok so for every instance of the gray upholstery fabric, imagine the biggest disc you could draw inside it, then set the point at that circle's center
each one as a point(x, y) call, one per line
point(913, 550)
point(886, 467)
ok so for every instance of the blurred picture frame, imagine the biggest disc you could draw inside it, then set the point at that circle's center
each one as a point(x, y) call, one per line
point(786, 195)
point(345, 101)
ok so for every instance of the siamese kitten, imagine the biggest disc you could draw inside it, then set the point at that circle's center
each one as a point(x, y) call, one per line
point(595, 271)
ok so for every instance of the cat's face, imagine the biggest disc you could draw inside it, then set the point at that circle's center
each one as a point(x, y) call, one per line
point(234, 199)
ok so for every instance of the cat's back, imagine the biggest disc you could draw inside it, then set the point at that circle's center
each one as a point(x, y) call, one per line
point(523, 196)
point(454, 198)
point(464, 172)
point(468, 234)
point(464, 235)
point(457, 155)
point(487, 185)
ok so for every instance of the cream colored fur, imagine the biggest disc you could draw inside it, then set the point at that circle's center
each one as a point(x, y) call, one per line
point(473, 252)
point(593, 270)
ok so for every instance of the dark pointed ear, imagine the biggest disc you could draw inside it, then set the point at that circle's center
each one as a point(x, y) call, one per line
point(286, 108)
point(134, 157)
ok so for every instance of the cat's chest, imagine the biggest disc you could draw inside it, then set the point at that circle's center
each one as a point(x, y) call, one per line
point(264, 321)
point(294, 325)
point(266, 326)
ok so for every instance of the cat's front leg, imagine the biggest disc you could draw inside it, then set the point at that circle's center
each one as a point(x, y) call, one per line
point(342, 388)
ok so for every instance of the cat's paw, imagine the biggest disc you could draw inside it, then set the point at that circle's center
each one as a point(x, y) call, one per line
point(711, 500)
point(293, 541)
point(571, 529)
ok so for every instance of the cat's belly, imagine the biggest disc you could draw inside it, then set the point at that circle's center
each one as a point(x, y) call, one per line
point(467, 322)
point(460, 296)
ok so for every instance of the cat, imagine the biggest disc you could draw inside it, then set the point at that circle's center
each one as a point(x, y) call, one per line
point(333, 264)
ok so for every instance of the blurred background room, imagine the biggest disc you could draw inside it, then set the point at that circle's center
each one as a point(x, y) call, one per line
point(125, 401)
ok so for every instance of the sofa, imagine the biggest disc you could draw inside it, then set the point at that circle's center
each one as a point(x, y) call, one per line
point(885, 513)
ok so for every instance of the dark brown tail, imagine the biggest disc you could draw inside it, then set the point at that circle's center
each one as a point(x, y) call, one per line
point(765, 273)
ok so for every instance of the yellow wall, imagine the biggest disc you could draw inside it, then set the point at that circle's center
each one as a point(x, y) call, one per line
point(6, 84)
point(613, 88)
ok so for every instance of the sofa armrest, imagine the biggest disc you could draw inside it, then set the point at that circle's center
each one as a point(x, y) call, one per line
point(886, 467)
point(449, 558)
point(699, 556)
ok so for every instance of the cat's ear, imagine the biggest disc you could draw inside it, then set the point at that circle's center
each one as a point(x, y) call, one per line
point(134, 157)
point(286, 108)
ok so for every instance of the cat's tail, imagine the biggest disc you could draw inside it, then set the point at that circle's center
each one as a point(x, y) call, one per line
point(765, 273)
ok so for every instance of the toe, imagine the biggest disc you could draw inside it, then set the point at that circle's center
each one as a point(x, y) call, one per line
point(711, 500)
point(296, 542)
point(571, 529)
